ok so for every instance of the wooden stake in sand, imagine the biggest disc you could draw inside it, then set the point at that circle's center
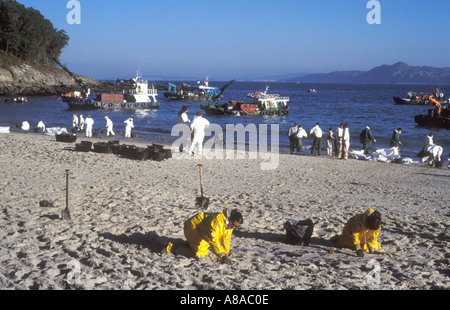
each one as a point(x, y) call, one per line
point(65, 213)
point(202, 202)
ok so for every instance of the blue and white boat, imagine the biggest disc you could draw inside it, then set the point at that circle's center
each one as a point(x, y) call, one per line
point(202, 92)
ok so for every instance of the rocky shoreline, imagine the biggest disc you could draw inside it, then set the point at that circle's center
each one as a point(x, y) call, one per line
point(25, 80)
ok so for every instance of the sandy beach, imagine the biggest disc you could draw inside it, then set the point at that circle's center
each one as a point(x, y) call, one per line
point(125, 211)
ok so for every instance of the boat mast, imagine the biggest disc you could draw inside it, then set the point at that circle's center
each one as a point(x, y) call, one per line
point(267, 88)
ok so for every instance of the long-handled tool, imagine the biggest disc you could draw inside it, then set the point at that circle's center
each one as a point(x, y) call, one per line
point(202, 202)
point(65, 213)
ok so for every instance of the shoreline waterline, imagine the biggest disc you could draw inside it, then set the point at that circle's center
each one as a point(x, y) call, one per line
point(167, 142)
point(358, 105)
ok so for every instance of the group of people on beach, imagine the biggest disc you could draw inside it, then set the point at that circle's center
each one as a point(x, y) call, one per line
point(197, 127)
point(213, 230)
point(340, 141)
point(336, 142)
point(79, 123)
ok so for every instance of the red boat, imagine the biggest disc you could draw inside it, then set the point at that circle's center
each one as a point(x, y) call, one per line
point(261, 104)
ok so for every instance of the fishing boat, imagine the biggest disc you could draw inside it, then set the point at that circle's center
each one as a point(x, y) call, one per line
point(185, 92)
point(136, 94)
point(312, 90)
point(417, 98)
point(434, 119)
point(17, 100)
point(177, 93)
point(261, 103)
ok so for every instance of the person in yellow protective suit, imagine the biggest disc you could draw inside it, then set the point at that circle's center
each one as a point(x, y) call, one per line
point(361, 233)
point(207, 230)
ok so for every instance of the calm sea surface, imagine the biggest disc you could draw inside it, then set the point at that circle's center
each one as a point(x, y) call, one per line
point(358, 105)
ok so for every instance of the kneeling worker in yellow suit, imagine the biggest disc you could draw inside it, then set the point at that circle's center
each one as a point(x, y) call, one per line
point(361, 232)
point(207, 230)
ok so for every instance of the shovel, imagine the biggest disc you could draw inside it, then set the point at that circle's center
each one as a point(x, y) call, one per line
point(201, 202)
point(65, 213)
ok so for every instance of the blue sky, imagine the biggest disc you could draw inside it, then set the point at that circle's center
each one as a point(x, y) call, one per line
point(247, 39)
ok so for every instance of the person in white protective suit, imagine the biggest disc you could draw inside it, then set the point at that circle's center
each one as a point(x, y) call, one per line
point(301, 134)
point(41, 126)
point(345, 142)
point(81, 122)
point(317, 133)
point(338, 141)
point(74, 121)
point(89, 122)
point(198, 126)
point(184, 119)
point(429, 143)
point(25, 126)
point(128, 126)
point(109, 127)
point(433, 151)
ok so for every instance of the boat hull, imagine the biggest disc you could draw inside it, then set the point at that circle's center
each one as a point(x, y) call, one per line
point(242, 108)
point(433, 120)
point(407, 101)
point(177, 97)
point(79, 104)
point(186, 97)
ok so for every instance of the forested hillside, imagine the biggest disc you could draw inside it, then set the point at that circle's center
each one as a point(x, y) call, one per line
point(28, 42)
point(26, 34)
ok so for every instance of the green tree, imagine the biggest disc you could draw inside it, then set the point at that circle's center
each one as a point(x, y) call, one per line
point(9, 16)
point(25, 33)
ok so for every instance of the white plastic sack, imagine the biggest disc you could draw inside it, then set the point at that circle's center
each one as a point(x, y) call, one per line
point(4, 129)
point(55, 131)
point(384, 155)
point(358, 155)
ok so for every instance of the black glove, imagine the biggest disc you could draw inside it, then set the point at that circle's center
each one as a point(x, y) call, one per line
point(225, 260)
point(360, 253)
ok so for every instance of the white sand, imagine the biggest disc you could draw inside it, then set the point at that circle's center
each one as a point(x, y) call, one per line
point(124, 212)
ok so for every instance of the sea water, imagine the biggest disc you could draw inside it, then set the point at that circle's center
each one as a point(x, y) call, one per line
point(332, 104)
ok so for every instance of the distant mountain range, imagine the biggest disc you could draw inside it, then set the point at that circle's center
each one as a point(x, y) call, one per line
point(399, 73)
